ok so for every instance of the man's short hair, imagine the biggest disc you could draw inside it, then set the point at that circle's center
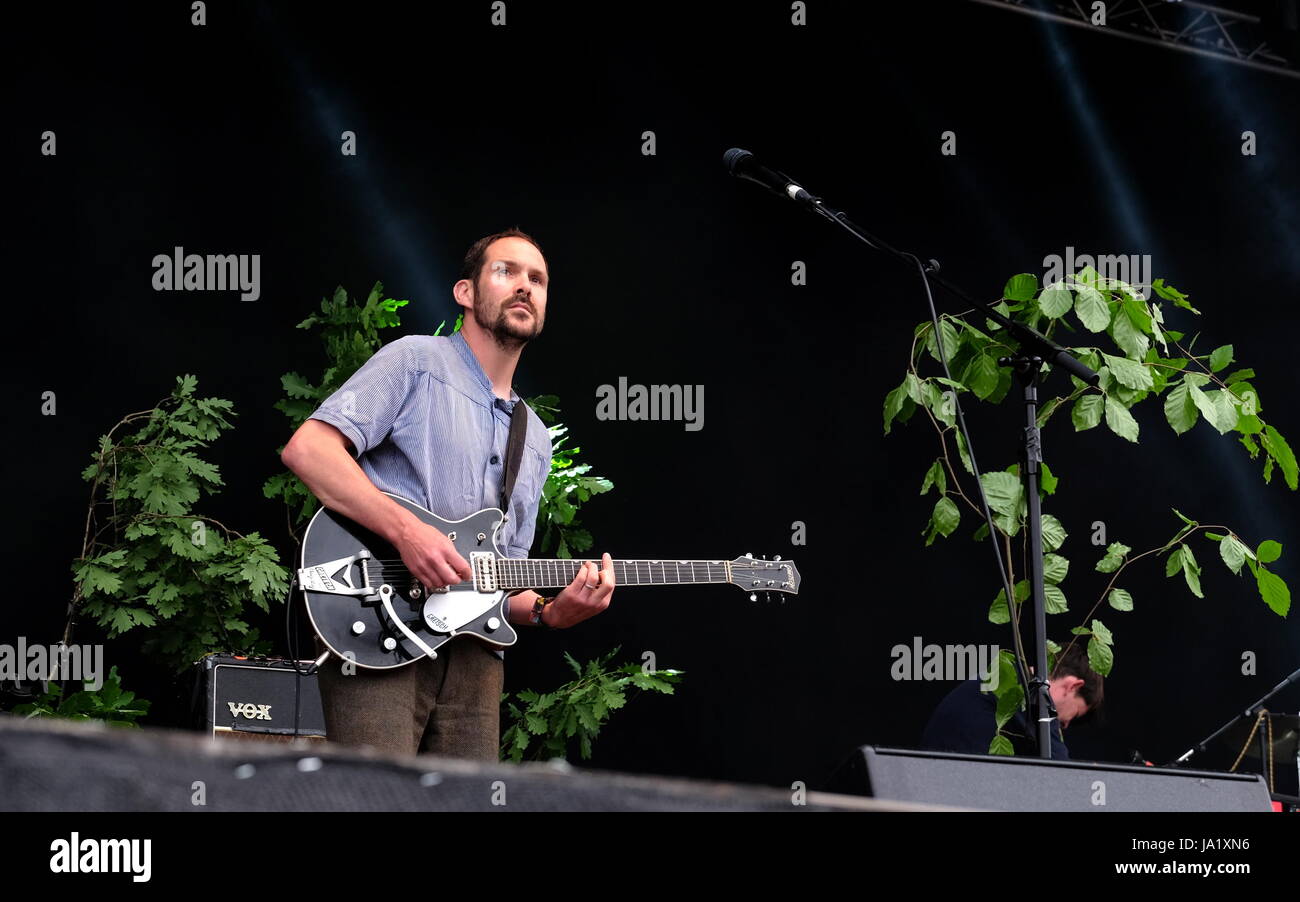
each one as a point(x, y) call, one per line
point(476, 256)
point(1073, 661)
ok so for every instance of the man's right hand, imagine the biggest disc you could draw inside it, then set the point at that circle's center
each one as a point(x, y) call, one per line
point(431, 556)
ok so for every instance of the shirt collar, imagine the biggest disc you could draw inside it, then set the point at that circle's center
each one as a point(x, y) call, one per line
point(471, 362)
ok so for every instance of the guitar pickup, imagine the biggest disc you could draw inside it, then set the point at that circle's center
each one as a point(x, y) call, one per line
point(335, 577)
point(484, 565)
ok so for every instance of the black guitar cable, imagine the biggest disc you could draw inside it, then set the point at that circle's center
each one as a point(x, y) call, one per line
point(291, 640)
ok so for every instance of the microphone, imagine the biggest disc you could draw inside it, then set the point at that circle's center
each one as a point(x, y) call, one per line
point(744, 165)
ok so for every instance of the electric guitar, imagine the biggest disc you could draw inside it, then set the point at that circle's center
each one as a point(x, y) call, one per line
point(366, 606)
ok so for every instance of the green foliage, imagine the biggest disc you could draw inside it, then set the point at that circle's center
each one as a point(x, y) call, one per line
point(109, 703)
point(148, 559)
point(559, 531)
point(545, 725)
point(1144, 360)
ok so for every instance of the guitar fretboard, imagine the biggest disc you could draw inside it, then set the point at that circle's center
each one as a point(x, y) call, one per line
point(519, 573)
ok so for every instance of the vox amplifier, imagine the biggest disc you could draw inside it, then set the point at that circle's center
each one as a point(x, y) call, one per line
point(257, 698)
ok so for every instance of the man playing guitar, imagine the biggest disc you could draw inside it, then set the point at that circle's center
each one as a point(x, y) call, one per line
point(428, 418)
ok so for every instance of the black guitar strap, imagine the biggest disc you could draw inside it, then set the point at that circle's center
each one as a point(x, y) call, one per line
point(514, 452)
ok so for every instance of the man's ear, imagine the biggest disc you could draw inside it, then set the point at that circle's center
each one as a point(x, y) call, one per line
point(1073, 684)
point(463, 292)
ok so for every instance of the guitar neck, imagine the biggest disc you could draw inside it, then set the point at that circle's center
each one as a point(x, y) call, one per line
point(531, 573)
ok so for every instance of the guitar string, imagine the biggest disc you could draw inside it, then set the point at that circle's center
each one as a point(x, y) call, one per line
point(524, 564)
point(538, 567)
point(531, 571)
point(571, 561)
point(404, 577)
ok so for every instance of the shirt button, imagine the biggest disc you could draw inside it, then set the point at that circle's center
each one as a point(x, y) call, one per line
point(495, 459)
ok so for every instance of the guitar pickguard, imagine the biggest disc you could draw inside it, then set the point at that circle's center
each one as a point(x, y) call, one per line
point(459, 605)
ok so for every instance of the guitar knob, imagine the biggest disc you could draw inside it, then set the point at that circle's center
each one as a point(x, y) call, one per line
point(390, 643)
point(358, 628)
point(493, 624)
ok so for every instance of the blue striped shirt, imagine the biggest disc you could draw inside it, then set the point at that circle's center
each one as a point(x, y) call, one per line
point(425, 424)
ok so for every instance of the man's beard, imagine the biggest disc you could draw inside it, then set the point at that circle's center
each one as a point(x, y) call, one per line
point(505, 331)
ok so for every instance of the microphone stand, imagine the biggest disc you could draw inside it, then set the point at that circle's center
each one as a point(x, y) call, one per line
point(1250, 713)
point(1036, 349)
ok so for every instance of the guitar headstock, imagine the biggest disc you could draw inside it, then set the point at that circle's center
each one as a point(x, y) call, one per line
point(761, 576)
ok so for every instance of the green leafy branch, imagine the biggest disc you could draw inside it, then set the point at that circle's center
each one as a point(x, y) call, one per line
point(567, 487)
point(1194, 386)
point(548, 722)
point(148, 560)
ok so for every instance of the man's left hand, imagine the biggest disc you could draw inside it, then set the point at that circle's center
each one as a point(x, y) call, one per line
point(585, 597)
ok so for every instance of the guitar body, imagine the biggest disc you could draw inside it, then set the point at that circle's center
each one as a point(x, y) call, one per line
point(366, 606)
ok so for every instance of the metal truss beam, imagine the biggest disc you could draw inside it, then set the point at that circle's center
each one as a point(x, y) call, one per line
point(1211, 31)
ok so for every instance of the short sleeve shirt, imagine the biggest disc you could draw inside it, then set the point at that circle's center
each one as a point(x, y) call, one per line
point(425, 424)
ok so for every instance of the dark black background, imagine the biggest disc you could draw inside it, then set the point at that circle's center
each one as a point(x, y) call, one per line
point(225, 139)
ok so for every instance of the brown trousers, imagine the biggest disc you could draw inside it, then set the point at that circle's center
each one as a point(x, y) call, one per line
point(449, 707)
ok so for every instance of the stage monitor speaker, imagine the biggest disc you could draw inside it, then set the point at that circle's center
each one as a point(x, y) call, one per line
point(257, 698)
point(1032, 784)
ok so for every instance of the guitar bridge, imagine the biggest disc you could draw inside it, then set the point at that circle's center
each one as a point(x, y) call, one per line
point(327, 578)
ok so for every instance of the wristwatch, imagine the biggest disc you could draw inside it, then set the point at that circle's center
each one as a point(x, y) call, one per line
point(539, 605)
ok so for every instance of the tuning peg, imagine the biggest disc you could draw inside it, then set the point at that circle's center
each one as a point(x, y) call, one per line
point(753, 596)
point(749, 555)
point(776, 557)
